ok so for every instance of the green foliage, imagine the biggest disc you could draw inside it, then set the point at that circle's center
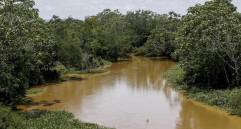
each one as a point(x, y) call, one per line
point(84, 45)
point(141, 23)
point(42, 120)
point(227, 99)
point(235, 102)
point(34, 91)
point(161, 41)
point(111, 35)
point(175, 75)
point(209, 45)
point(34, 51)
point(68, 35)
point(26, 50)
point(206, 41)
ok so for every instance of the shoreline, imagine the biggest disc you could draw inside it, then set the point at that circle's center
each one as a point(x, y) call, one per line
point(204, 97)
point(59, 115)
point(68, 76)
point(44, 119)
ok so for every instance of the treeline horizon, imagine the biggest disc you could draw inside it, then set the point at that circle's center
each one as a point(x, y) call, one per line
point(35, 51)
point(205, 42)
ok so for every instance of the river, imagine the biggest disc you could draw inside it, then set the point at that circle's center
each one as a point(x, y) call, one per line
point(133, 95)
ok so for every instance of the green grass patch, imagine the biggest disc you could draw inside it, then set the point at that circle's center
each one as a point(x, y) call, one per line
point(42, 120)
point(228, 100)
point(35, 91)
point(175, 76)
point(80, 75)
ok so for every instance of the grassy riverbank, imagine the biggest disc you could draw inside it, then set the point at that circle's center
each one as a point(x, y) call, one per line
point(41, 120)
point(67, 75)
point(10, 119)
point(79, 75)
point(73, 74)
point(228, 100)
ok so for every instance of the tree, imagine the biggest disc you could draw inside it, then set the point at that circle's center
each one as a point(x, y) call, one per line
point(68, 35)
point(161, 41)
point(208, 43)
point(25, 49)
point(227, 46)
point(111, 36)
point(141, 23)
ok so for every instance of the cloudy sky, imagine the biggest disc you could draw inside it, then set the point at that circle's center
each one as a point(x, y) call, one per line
point(82, 8)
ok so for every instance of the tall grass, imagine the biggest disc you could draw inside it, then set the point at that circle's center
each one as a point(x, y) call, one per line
point(41, 120)
point(227, 99)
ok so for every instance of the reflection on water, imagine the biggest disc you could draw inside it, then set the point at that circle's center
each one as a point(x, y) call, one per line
point(194, 116)
point(134, 95)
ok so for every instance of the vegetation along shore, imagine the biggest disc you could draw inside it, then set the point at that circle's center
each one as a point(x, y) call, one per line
point(205, 43)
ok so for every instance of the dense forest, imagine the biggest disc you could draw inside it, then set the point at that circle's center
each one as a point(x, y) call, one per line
point(35, 51)
point(206, 43)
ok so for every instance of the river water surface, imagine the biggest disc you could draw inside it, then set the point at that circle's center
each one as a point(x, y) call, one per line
point(133, 95)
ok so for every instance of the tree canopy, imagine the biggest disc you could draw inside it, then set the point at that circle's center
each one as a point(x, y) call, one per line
point(209, 44)
point(205, 41)
point(27, 49)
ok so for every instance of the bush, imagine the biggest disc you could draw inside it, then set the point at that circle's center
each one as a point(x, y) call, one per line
point(27, 50)
point(41, 120)
point(203, 44)
point(227, 99)
point(235, 103)
point(175, 75)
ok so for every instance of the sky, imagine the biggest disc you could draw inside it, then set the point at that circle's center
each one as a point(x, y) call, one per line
point(82, 8)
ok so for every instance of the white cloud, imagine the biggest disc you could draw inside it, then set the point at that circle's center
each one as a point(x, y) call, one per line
point(82, 8)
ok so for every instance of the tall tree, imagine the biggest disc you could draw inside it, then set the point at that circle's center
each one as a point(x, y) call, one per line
point(111, 36)
point(23, 48)
point(141, 23)
point(209, 44)
point(161, 41)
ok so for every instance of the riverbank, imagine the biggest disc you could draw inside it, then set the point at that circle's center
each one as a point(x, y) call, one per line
point(42, 120)
point(80, 75)
point(228, 100)
point(73, 74)
point(49, 119)
point(67, 75)
point(132, 85)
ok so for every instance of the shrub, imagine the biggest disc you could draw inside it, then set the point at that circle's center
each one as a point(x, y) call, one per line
point(41, 120)
point(206, 34)
point(235, 102)
point(227, 99)
point(175, 75)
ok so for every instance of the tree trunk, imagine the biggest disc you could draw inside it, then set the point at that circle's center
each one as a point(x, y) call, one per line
point(226, 76)
point(237, 79)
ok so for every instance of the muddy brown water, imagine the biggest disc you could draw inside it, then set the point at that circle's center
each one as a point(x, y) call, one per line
point(133, 95)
